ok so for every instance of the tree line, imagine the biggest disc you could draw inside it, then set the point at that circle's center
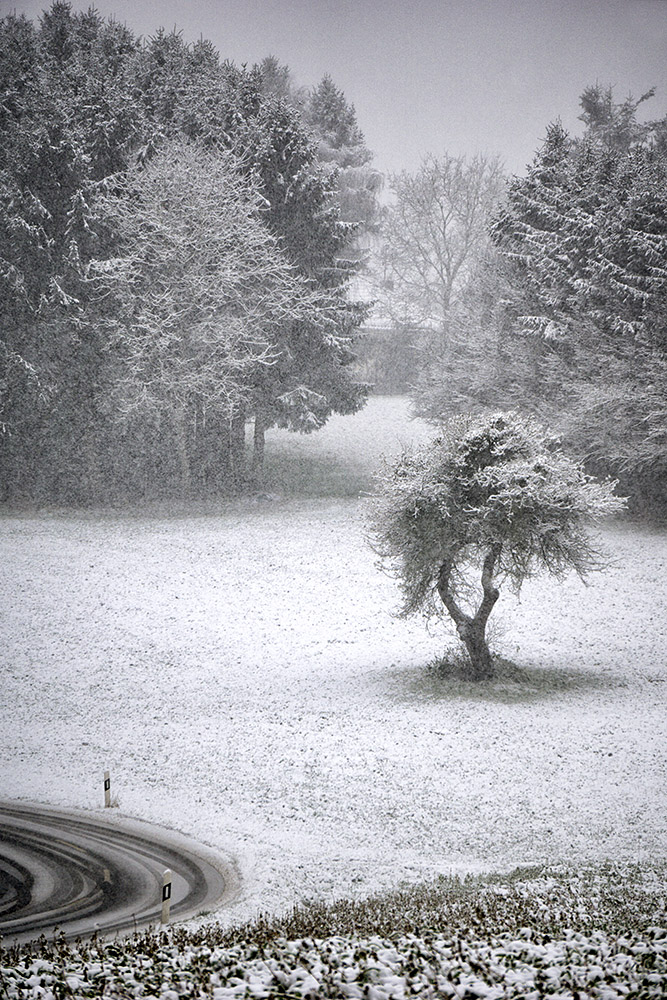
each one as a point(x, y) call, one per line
point(177, 235)
point(544, 293)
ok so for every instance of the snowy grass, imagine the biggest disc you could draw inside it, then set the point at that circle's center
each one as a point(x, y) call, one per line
point(462, 966)
point(554, 901)
point(339, 460)
point(237, 669)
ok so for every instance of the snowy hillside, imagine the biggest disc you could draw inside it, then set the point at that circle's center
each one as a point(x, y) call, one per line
point(238, 671)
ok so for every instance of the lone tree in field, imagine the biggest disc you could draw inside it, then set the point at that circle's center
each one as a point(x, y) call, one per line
point(490, 493)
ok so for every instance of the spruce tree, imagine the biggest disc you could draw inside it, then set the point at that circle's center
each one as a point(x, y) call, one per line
point(341, 144)
point(585, 239)
point(84, 103)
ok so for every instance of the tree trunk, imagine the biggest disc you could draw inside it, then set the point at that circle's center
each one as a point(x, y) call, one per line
point(472, 628)
point(474, 640)
point(258, 447)
point(237, 444)
point(180, 433)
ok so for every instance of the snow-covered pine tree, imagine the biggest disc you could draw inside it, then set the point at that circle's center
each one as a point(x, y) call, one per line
point(342, 146)
point(85, 99)
point(68, 118)
point(311, 377)
point(585, 239)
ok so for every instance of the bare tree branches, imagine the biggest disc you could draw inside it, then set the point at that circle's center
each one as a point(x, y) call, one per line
point(196, 288)
point(432, 234)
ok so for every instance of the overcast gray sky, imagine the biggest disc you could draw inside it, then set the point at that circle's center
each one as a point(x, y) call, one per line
point(463, 76)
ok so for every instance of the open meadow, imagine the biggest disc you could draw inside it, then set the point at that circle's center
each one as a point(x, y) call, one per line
point(237, 669)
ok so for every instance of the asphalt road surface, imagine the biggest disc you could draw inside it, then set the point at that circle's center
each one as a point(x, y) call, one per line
point(84, 873)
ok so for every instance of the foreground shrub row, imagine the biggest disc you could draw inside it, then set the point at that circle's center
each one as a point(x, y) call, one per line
point(617, 899)
point(375, 968)
point(597, 933)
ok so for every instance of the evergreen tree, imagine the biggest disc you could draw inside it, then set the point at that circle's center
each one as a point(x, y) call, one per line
point(577, 329)
point(68, 118)
point(83, 101)
point(312, 377)
point(335, 122)
point(613, 125)
point(277, 81)
point(342, 146)
point(227, 107)
point(586, 237)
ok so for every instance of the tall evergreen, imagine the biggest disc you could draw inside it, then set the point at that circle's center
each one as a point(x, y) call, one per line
point(342, 146)
point(68, 119)
point(585, 236)
point(312, 377)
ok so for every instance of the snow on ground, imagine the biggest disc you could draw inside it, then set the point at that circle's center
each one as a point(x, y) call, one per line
point(238, 671)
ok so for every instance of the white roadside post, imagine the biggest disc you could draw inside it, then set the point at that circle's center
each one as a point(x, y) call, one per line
point(107, 790)
point(166, 896)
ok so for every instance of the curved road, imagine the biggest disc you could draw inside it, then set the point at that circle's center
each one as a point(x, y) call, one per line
point(85, 873)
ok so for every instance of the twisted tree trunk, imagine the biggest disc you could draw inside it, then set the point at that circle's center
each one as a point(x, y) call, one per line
point(472, 628)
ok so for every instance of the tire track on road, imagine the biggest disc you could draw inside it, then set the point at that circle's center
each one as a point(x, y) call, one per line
point(83, 874)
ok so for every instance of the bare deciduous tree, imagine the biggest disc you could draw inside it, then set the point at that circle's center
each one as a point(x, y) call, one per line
point(195, 289)
point(433, 234)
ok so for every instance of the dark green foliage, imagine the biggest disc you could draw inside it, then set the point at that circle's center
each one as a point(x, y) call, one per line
point(611, 124)
point(586, 235)
point(277, 80)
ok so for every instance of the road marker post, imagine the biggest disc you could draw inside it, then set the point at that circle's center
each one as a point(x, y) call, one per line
point(107, 790)
point(166, 896)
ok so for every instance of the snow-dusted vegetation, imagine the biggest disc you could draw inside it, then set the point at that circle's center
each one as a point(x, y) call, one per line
point(191, 252)
point(459, 966)
point(556, 933)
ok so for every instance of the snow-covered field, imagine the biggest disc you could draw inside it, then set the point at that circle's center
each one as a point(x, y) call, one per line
point(237, 669)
